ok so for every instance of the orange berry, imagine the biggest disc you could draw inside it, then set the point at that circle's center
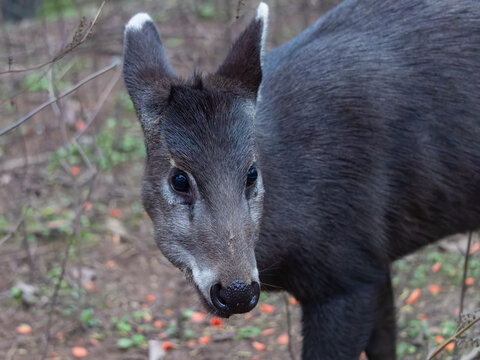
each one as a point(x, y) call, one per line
point(80, 125)
point(150, 298)
point(24, 329)
point(204, 340)
point(469, 281)
point(439, 339)
point(110, 263)
point(215, 321)
point(258, 346)
point(436, 267)
point(450, 347)
point(198, 317)
point(75, 170)
point(293, 301)
point(475, 247)
point(267, 332)
point(158, 324)
point(267, 309)
point(79, 352)
point(87, 206)
point(167, 345)
point(414, 296)
point(434, 289)
point(116, 212)
point(283, 339)
point(422, 317)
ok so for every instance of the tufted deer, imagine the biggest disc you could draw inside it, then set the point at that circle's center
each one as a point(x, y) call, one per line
point(313, 167)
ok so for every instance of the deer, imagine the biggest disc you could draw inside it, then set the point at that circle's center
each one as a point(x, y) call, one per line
point(314, 166)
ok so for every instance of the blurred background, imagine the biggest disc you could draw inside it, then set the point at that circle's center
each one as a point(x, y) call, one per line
point(80, 274)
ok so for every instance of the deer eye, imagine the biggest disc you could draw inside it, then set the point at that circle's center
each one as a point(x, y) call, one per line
point(252, 175)
point(179, 183)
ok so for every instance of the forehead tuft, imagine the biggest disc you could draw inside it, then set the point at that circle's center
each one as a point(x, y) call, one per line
point(203, 126)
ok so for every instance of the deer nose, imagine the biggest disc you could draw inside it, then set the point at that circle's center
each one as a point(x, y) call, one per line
point(237, 298)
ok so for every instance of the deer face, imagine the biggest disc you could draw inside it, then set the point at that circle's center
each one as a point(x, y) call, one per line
point(202, 185)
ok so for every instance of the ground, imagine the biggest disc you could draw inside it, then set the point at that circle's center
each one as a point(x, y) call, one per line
point(70, 209)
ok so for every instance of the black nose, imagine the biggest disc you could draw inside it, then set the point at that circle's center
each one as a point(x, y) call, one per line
point(237, 298)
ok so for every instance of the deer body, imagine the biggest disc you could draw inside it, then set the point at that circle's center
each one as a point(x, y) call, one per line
point(360, 145)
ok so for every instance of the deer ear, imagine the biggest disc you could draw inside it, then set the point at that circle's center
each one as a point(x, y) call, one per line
point(146, 70)
point(244, 62)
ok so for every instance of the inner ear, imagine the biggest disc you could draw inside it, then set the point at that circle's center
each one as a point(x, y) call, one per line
point(244, 62)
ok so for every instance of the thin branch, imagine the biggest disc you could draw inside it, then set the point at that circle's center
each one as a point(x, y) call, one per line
point(62, 95)
point(76, 42)
point(11, 232)
point(53, 303)
point(289, 328)
point(464, 286)
point(101, 100)
point(439, 349)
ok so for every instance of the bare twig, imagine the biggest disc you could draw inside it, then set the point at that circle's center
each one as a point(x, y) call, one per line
point(62, 95)
point(11, 232)
point(78, 39)
point(103, 97)
point(440, 348)
point(464, 286)
point(62, 274)
point(289, 328)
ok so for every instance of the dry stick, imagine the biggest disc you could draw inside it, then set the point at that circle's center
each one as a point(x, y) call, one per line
point(62, 274)
point(464, 286)
point(439, 349)
point(103, 97)
point(74, 44)
point(289, 328)
point(62, 95)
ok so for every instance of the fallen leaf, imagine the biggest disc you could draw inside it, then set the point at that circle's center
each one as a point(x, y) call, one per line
point(116, 213)
point(439, 339)
point(75, 170)
point(248, 316)
point(436, 267)
point(197, 317)
point(450, 347)
point(267, 332)
point(158, 324)
point(94, 341)
point(167, 345)
point(163, 335)
point(215, 321)
point(414, 296)
point(267, 309)
point(258, 346)
point(24, 329)
point(434, 289)
point(204, 340)
point(283, 339)
point(469, 281)
point(80, 125)
point(150, 298)
point(79, 352)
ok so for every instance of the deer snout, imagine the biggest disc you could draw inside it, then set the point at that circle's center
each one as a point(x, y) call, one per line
point(237, 298)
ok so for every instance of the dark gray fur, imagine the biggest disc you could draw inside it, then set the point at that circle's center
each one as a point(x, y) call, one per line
point(366, 136)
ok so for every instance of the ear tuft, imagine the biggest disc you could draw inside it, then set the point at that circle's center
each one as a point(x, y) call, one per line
point(137, 21)
point(262, 14)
